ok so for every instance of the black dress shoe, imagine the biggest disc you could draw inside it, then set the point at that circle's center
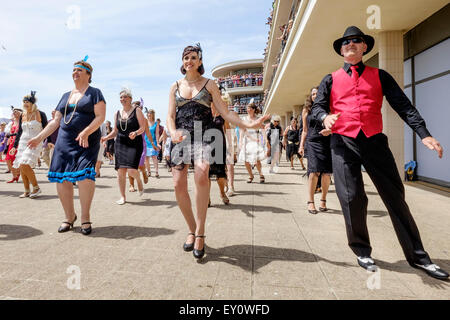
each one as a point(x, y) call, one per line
point(198, 254)
point(189, 246)
point(432, 270)
point(68, 226)
point(86, 231)
point(367, 263)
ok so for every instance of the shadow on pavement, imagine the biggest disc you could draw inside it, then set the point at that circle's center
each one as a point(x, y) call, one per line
point(256, 193)
point(374, 213)
point(241, 255)
point(154, 203)
point(129, 232)
point(370, 193)
point(402, 266)
point(249, 208)
point(16, 232)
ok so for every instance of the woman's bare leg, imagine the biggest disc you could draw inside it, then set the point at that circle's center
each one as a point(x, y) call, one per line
point(201, 178)
point(183, 199)
point(121, 180)
point(326, 180)
point(312, 182)
point(65, 194)
point(86, 190)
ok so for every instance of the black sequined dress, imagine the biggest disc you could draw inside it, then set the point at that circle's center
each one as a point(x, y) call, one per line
point(194, 118)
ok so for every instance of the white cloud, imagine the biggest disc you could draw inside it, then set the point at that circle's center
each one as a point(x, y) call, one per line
point(138, 43)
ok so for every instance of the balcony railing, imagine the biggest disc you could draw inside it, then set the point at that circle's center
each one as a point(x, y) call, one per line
point(233, 82)
point(285, 33)
point(242, 109)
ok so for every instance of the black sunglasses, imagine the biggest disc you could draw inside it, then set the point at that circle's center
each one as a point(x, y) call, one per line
point(354, 40)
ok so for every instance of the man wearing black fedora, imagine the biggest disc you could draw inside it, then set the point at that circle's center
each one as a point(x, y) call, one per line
point(349, 103)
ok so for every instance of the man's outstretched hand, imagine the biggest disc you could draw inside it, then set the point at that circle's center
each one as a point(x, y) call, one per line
point(433, 144)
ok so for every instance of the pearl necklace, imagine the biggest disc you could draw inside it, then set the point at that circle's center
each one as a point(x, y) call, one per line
point(76, 105)
point(126, 122)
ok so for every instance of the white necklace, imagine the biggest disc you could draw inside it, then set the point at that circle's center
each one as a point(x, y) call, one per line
point(76, 105)
point(126, 122)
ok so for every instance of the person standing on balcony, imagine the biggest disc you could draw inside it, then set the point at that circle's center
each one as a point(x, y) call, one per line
point(349, 103)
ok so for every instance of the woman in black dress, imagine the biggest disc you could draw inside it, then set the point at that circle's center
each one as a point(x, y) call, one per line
point(188, 120)
point(78, 116)
point(109, 149)
point(128, 128)
point(318, 152)
point(291, 142)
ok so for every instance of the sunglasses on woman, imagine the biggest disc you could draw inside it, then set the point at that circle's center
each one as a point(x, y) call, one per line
point(354, 40)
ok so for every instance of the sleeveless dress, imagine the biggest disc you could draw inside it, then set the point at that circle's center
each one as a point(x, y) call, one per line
point(128, 152)
point(217, 166)
point(252, 149)
point(25, 155)
point(194, 118)
point(71, 162)
point(150, 151)
point(317, 148)
point(293, 142)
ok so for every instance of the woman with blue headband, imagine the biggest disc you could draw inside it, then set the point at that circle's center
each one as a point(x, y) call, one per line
point(79, 114)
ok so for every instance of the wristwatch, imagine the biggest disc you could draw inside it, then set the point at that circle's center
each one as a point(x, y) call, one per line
point(323, 118)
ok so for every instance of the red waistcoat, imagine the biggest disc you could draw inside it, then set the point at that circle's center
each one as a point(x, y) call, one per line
point(358, 102)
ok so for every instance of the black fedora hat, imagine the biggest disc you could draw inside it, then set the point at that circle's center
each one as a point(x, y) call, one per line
point(352, 32)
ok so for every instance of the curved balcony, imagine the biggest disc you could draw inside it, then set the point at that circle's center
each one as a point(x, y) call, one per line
point(225, 69)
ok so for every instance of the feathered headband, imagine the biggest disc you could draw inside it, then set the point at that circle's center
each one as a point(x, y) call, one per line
point(126, 91)
point(31, 98)
point(83, 67)
point(200, 51)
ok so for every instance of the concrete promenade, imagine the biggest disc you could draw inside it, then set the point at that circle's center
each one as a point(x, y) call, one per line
point(264, 245)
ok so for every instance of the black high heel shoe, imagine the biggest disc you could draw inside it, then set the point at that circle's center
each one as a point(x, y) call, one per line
point(86, 231)
point(323, 209)
point(198, 254)
point(311, 211)
point(189, 246)
point(68, 227)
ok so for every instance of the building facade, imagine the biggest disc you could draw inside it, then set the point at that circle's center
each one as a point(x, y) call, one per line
point(240, 82)
point(414, 48)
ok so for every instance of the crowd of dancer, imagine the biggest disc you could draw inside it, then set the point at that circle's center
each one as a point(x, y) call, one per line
point(198, 136)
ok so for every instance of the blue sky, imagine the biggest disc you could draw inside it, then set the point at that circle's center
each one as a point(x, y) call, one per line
point(130, 43)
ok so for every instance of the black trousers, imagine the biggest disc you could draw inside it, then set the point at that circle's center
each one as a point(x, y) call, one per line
point(373, 153)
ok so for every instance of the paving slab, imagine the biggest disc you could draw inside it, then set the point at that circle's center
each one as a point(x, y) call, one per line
point(263, 245)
